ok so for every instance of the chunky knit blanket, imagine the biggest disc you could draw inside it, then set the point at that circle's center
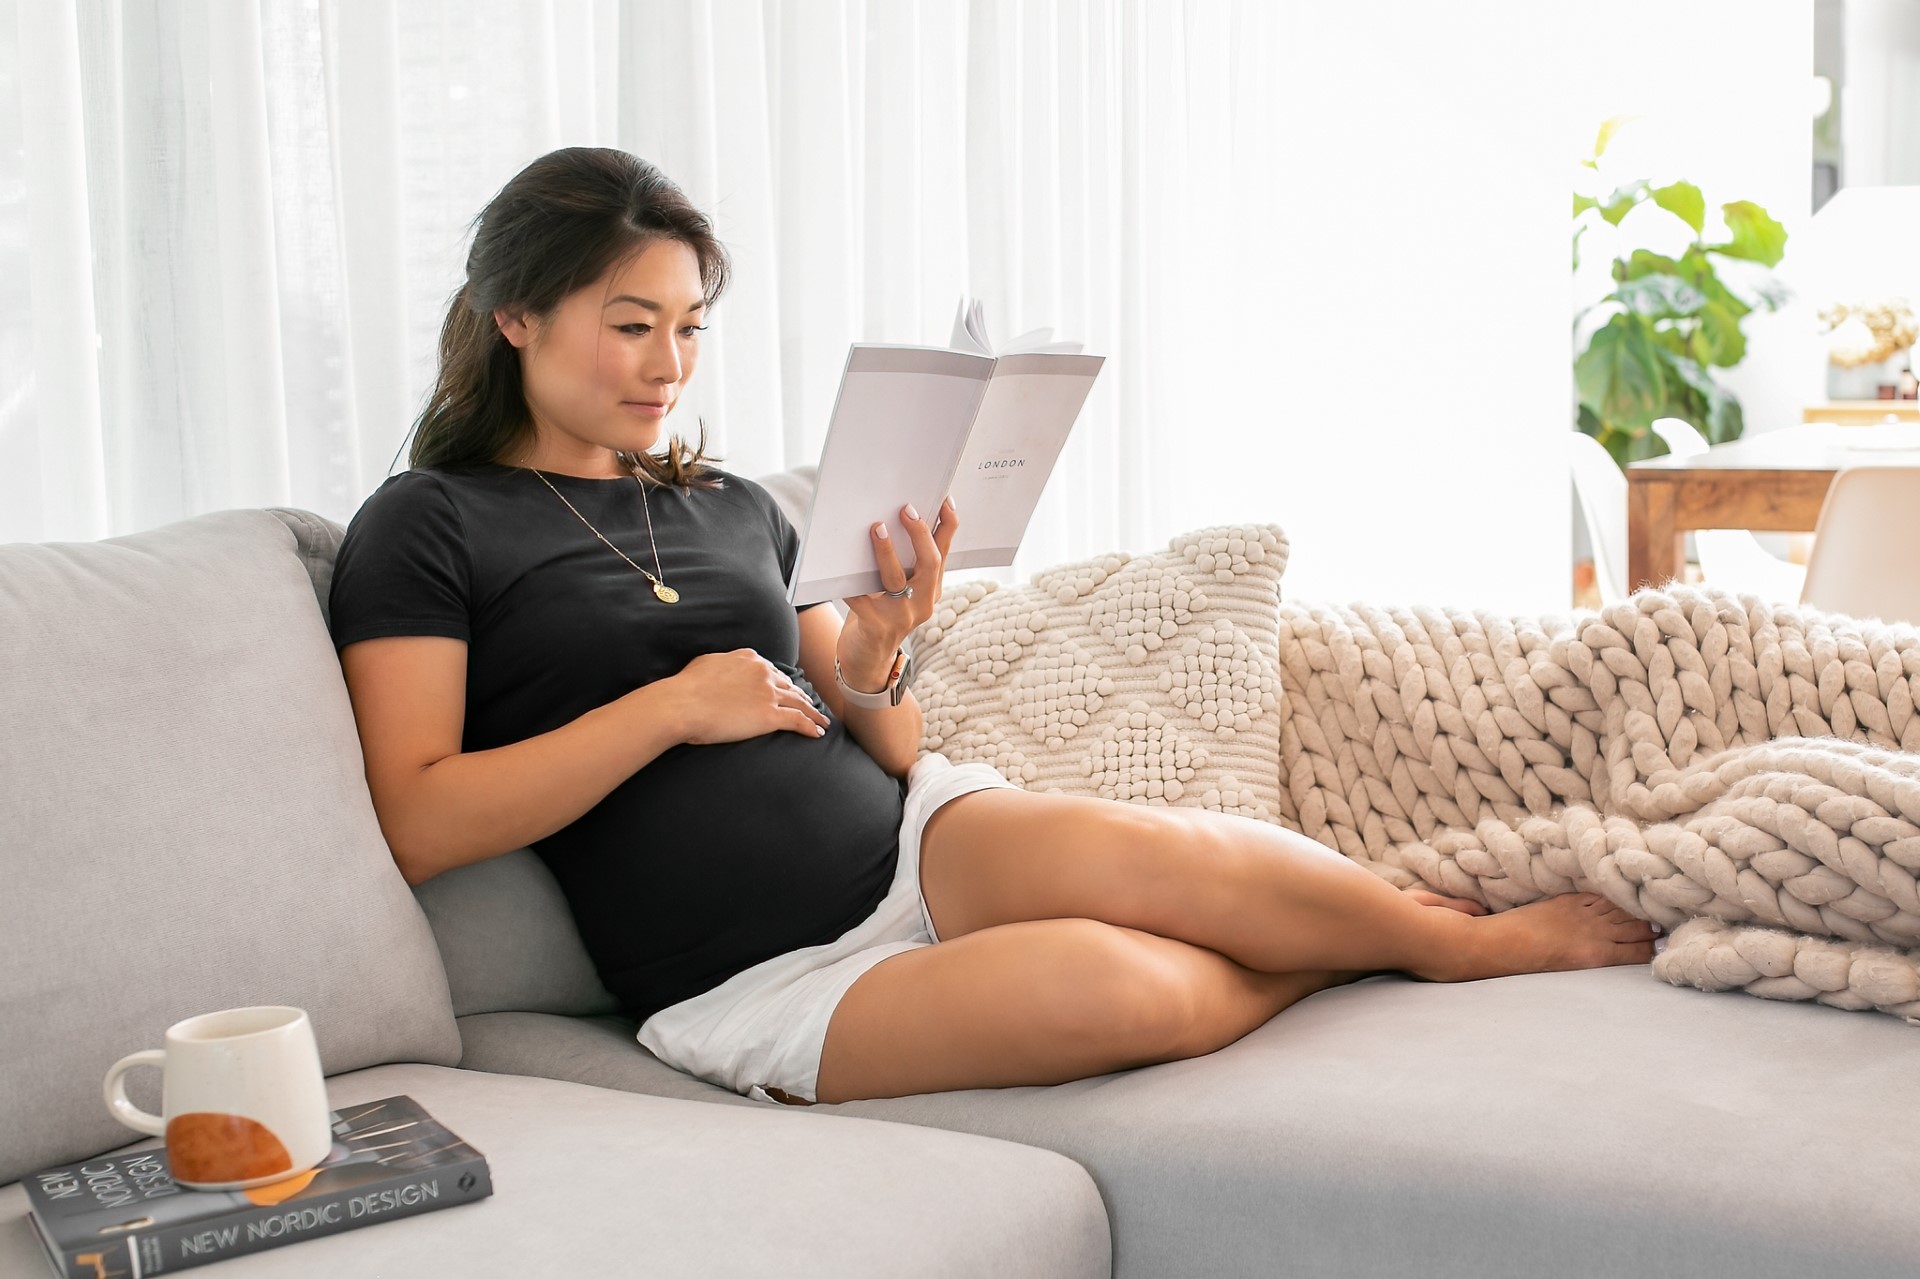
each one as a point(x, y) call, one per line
point(1745, 774)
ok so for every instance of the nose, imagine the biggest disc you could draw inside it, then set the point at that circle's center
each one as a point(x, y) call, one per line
point(660, 362)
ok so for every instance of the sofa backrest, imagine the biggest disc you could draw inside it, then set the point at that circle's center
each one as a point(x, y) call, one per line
point(184, 822)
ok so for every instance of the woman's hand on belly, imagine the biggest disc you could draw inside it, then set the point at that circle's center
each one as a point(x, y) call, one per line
point(731, 696)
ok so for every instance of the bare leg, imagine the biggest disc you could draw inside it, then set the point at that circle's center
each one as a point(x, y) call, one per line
point(1265, 897)
point(1042, 1002)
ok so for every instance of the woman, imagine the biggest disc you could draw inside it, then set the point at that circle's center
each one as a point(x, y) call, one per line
point(556, 636)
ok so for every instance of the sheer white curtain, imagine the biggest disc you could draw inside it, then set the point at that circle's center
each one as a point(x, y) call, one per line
point(229, 229)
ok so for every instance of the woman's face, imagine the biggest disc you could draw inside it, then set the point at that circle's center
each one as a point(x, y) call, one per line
point(606, 367)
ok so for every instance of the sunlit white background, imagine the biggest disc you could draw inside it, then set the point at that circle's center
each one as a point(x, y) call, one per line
point(1325, 245)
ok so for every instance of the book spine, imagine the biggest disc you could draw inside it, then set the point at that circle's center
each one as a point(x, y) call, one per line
point(182, 1246)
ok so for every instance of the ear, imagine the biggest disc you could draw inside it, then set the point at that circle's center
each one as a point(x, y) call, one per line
point(514, 325)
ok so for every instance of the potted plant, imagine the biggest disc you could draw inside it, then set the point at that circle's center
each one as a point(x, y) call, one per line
point(1670, 320)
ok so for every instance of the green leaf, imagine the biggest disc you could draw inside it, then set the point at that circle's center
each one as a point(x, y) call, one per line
point(1756, 237)
point(1581, 203)
point(1623, 201)
point(1619, 374)
point(1607, 130)
point(1642, 263)
point(1684, 201)
point(1714, 411)
point(1577, 233)
point(1729, 421)
point(1697, 268)
point(1719, 340)
point(1660, 297)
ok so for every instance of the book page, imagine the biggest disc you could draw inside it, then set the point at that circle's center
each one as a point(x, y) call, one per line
point(898, 426)
point(1029, 409)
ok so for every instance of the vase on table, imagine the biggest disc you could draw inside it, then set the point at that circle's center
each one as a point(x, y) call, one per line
point(1863, 381)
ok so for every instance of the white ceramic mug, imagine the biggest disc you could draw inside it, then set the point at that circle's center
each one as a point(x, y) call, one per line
point(246, 1104)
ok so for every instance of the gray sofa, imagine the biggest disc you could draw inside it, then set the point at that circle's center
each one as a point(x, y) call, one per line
point(187, 828)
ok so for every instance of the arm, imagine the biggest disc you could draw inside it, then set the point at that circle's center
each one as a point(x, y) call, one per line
point(872, 633)
point(440, 808)
point(891, 736)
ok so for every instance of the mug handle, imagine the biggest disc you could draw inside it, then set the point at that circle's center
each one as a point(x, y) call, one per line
point(115, 1089)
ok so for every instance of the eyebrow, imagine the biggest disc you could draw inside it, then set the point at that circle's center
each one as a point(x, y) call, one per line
point(651, 306)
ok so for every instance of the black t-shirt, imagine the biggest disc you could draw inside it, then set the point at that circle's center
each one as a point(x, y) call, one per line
point(711, 858)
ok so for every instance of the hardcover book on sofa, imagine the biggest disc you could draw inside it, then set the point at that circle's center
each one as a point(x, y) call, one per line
point(125, 1216)
point(914, 424)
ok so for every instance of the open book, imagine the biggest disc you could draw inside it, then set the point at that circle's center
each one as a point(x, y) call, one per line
point(914, 424)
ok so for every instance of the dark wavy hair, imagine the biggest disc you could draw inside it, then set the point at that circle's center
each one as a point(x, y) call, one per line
point(556, 227)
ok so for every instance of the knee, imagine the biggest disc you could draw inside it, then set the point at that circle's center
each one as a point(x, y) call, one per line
point(1123, 993)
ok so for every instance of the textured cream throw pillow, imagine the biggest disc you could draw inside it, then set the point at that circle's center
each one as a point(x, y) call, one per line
point(1153, 679)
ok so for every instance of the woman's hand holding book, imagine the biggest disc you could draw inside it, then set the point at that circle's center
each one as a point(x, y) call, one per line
point(878, 623)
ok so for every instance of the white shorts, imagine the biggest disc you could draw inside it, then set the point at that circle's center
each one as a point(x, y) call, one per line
point(764, 1027)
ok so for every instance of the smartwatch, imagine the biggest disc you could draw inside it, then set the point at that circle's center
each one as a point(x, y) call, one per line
point(890, 695)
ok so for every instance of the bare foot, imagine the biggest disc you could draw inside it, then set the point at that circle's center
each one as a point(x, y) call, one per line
point(1465, 905)
point(1573, 930)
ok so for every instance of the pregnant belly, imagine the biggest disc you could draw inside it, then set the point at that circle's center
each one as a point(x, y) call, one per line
point(712, 858)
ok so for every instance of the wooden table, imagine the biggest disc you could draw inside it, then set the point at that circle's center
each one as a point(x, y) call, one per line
point(1862, 412)
point(1773, 481)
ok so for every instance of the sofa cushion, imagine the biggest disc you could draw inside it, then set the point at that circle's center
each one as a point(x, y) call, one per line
point(601, 1051)
point(1148, 678)
point(595, 1182)
point(1588, 1123)
point(187, 824)
point(509, 941)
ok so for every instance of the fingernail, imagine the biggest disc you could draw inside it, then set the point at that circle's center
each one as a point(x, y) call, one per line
point(880, 531)
point(911, 513)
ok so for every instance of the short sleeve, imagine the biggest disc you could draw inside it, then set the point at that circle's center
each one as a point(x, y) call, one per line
point(786, 539)
point(403, 567)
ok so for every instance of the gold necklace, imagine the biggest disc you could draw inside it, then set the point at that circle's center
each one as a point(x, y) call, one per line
point(666, 593)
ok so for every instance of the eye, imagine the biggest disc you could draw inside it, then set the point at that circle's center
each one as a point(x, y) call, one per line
point(641, 330)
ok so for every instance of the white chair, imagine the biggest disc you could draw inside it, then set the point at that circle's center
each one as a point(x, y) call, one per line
point(1732, 559)
point(1602, 490)
point(1866, 547)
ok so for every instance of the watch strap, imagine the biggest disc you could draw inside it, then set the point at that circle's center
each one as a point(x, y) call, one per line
point(889, 695)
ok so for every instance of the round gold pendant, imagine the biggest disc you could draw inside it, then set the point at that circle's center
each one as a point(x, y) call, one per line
point(666, 593)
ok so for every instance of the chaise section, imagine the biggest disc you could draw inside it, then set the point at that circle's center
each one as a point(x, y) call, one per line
point(1592, 1123)
point(594, 1182)
point(1586, 1123)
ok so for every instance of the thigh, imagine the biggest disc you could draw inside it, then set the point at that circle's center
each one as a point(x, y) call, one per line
point(1041, 1002)
point(996, 856)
